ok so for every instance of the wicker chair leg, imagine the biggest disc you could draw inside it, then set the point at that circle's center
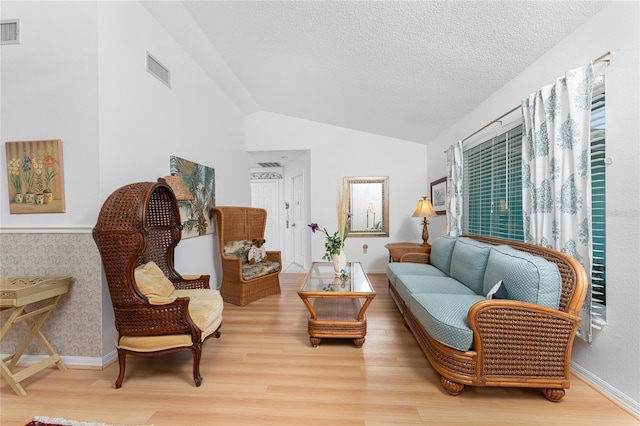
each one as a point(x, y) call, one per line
point(451, 387)
point(121, 361)
point(197, 354)
point(553, 395)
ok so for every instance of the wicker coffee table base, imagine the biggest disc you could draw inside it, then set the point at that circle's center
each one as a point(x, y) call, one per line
point(337, 318)
point(336, 305)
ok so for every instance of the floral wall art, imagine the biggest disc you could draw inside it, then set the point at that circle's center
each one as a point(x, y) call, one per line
point(34, 176)
point(196, 215)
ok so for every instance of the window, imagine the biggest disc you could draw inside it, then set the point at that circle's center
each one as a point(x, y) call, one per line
point(493, 193)
point(493, 187)
point(598, 204)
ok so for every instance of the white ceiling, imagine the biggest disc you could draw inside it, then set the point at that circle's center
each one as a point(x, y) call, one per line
point(401, 69)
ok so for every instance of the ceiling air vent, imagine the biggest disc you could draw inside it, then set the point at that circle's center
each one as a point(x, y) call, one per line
point(274, 164)
point(10, 31)
point(158, 70)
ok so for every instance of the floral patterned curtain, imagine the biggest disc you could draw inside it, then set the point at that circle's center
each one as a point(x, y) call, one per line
point(556, 179)
point(454, 189)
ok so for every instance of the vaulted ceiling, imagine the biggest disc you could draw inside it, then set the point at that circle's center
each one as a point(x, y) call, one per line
point(404, 69)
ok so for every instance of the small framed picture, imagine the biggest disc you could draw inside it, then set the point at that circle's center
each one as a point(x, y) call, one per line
point(35, 176)
point(439, 195)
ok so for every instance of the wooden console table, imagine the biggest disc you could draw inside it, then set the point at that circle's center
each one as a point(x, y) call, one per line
point(17, 293)
point(396, 250)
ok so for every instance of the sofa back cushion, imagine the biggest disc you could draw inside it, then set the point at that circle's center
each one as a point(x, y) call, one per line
point(528, 278)
point(441, 250)
point(468, 262)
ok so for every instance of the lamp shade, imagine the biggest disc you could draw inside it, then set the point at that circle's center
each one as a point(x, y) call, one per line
point(179, 188)
point(424, 209)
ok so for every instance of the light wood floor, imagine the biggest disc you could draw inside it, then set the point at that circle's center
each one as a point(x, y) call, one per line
point(263, 371)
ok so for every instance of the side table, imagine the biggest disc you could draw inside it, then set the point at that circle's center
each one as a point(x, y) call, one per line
point(396, 250)
point(17, 293)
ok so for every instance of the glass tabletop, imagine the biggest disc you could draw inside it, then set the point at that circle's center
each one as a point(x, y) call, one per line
point(322, 278)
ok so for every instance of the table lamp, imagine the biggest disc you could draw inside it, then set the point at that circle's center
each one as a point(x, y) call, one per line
point(424, 210)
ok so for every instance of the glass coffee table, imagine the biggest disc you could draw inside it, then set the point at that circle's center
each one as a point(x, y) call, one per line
point(336, 306)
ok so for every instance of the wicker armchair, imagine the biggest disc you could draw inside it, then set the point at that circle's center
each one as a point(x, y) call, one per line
point(139, 224)
point(244, 224)
point(514, 343)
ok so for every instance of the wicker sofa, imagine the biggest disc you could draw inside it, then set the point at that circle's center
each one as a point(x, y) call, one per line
point(523, 341)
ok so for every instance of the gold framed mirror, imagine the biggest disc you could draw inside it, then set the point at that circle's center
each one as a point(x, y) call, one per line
point(369, 206)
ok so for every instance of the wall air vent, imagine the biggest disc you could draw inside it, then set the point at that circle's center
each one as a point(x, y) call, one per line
point(10, 31)
point(274, 164)
point(158, 70)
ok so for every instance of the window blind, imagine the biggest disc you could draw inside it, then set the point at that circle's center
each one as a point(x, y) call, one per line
point(598, 205)
point(493, 179)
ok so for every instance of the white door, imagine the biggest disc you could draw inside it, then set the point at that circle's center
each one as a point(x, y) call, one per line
point(298, 220)
point(264, 194)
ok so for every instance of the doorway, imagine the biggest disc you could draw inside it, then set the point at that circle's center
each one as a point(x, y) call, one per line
point(298, 220)
point(288, 205)
point(265, 193)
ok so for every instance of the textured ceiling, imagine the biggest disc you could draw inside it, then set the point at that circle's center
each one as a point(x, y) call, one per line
point(401, 69)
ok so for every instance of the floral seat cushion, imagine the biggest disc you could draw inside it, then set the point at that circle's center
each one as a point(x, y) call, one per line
point(240, 249)
point(250, 272)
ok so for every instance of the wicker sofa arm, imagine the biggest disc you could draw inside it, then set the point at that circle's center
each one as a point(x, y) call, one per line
point(156, 320)
point(507, 333)
point(416, 258)
point(275, 256)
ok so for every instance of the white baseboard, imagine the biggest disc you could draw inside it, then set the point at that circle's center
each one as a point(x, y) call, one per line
point(72, 361)
point(607, 390)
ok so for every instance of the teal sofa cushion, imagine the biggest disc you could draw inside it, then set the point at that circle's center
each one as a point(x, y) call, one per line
point(406, 285)
point(444, 316)
point(468, 262)
point(528, 278)
point(441, 250)
point(407, 268)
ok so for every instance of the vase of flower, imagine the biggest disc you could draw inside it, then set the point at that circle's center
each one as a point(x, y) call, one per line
point(30, 198)
point(39, 199)
point(339, 262)
point(48, 196)
point(335, 242)
point(48, 164)
point(15, 167)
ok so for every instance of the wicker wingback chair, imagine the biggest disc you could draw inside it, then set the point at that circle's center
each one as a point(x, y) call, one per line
point(138, 224)
point(244, 224)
